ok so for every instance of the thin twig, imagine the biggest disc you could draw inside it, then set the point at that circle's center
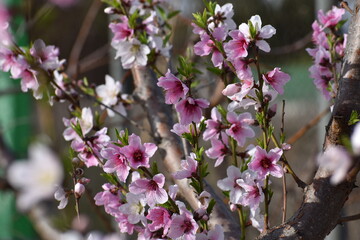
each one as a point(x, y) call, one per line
point(349, 218)
point(282, 128)
point(81, 38)
point(308, 126)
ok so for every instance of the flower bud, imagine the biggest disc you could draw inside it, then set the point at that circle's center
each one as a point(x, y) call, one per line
point(79, 189)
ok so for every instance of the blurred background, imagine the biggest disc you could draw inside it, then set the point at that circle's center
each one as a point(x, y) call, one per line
point(79, 28)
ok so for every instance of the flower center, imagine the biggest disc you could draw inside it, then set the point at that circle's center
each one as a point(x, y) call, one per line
point(187, 226)
point(138, 156)
point(265, 163)
point(152, 185)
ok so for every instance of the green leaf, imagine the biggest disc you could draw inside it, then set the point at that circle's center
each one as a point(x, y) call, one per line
point(173, 14)
point(215, 70)
point(110, 178)
point(354, 118)
point(210, 206)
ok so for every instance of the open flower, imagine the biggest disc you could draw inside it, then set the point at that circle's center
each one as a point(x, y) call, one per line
point(190, 110)
point(183, 225)
point(188, 167)
point(37, 177)
point(116, 162)
point(277, 79)
point(137, 154)
point(174, 88)
point(240, 129)
point(153, 189)
point(264, 163)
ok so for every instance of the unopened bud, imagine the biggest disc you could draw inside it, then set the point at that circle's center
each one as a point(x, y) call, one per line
point(110, 10)
point(79, 189)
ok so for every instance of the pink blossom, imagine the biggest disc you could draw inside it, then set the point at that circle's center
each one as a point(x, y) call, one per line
point(331, 18)
point(47, 56)
point(260, 33)
point(237, 47)
point(160, 218)
point(109, 198)
point(190, 110)
point(89, 149)
point(174, 87)
point(69, 133)
point(121, 31)
point(219, 149)
point(239, 128)
point(8, 60)
point(243, 71)
point(116, 162)
point(252, 187)
point(29, 80)
point(336, 160)
point(238, 91)
point(188, 166)
point(205, 46)
point(153, 189)
point(213, 125)
point(183, 225)
point(137, 154)
point(264, 163)
point(277, 79)
point(319, 36)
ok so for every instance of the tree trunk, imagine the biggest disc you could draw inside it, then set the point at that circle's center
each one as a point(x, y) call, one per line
point(320, 210)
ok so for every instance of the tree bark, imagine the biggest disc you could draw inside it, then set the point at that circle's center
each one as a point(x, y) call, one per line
point(322, 203)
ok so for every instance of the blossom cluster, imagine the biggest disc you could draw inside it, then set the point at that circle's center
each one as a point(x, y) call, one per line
point(328, 52)
point(137, 34)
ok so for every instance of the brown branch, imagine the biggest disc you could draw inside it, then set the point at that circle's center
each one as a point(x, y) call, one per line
point(301, 132)
point(73, 67)
point(292, 47)
point(323, 202)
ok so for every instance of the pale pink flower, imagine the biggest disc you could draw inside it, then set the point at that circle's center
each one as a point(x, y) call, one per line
point(121, 31)
point(213, 125)
point(153, 189)
point(183, 225)
point(335, 159)
point(331, 18)
point(86, 120)
point(257, 220)
point(265, 163)
point(137, 154)
point(319, 36)
point(116, 162)
point(160, 218)
point(173, 190)
point(238, 91)
point(222, 17)
point(109, 93)
point(132, 53)
point(134, 207)
point(260, 34)
point(240, 129)
point(175, 89)
point(69, 133)
point(277, 79)
point(243, 71)
point(190, 110)
point(36, 178)
point(230, 184)
point(188, 167)
point(61, 196)
point(219, 149)
point(47, 56)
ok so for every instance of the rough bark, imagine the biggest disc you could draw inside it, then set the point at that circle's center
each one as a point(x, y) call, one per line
point(160, 118)
point(322, 203)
